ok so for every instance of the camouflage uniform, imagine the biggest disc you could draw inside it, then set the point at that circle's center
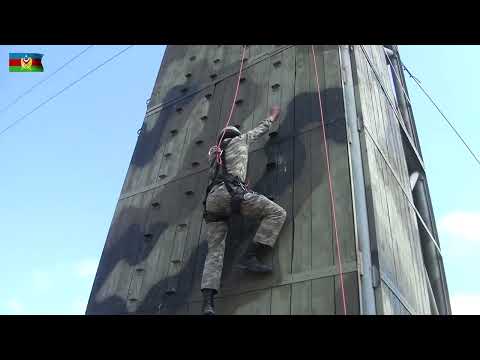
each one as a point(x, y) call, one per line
point(254, 205)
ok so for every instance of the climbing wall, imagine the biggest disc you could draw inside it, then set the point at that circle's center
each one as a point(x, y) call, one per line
point(153, 257)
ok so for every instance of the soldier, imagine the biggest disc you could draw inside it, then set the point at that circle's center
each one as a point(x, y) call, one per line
point(227, 194)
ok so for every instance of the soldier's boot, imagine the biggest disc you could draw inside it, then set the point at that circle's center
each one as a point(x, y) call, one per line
point(207, 307)
point(251, 262)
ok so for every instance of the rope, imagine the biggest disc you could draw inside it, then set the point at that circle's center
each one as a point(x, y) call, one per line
point(440, 111)
point(216, 148)
point(332, 202)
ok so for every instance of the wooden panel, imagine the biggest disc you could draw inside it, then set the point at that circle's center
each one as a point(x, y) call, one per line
point(350, 284)
point(281, 297)
point(121, 254)
point(302, 206)
point(323, 299)
point(396, 233)
point(278, 88)
point(302, 298)
point(168, 272)
point(201, 132)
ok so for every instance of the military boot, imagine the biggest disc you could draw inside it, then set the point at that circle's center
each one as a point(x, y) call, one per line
point(207, 307)
point(251, 262)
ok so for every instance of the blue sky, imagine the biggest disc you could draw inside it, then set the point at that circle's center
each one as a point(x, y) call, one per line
point(63, 167)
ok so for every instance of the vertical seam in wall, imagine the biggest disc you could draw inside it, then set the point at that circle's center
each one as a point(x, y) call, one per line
point(293, 173)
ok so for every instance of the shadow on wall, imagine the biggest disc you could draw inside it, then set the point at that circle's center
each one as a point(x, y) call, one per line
point(122, 248)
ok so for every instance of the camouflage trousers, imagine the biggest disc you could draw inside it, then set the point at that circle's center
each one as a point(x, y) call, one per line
point(271, 215)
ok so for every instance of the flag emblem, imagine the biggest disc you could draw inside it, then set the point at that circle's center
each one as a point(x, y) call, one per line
point(25, 62)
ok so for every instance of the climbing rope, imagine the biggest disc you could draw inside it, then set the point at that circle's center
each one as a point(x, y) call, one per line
point(216, 148)
point(332, 202)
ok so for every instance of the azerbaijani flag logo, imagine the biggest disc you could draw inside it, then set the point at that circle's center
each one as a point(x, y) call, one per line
point(22, 62)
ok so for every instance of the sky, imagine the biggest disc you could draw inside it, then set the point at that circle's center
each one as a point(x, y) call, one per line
point(64, 165)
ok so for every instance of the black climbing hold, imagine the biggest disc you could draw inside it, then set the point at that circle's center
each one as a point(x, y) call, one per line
point(271, 165)
point(171, 291)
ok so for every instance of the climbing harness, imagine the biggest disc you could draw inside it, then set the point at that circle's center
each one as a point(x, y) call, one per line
point(234, 185)
point(330, 186)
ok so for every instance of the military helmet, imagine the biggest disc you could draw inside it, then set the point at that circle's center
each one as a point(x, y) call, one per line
point(230, 132)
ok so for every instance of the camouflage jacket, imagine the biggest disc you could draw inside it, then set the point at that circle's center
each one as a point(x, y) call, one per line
point(236, 153)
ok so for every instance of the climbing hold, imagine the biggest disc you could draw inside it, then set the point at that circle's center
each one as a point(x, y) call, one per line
point(188, 75)
point(195, 164)
point(204, 117)
point(238, 102)
point(173, 132)
point(192, 58)
point(275, 86)
point(155, 204)
point(271, 165)
point(179, 109)
point(208, 96)
point(216, 61)
point(171, 291)
point(199, 142)
point(189, 192)
point(277, 63)
point(213, 76)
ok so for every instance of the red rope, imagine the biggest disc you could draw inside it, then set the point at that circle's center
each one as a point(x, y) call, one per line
point(217, 148)
point(330, 186)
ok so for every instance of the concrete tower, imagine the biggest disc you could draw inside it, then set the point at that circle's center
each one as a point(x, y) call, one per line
point(390, 255)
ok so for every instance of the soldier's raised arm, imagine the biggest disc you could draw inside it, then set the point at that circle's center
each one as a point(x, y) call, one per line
point(264, 125)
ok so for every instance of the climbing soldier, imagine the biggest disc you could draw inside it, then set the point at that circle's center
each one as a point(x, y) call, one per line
point(227, 194)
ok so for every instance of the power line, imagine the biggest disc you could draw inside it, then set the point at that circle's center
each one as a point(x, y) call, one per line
point(45, 79)
point(64, 89)
point(441, 113)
